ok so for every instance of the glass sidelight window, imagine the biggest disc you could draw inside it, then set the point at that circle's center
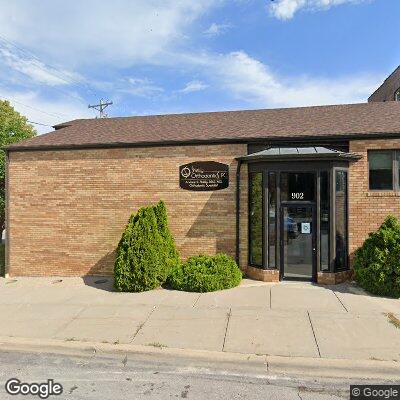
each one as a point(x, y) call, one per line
point(341, 220)
point(272, 222)
point(324, 220)
point(256, 219)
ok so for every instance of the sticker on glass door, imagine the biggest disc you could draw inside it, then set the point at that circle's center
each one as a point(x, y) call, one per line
point(305, 227)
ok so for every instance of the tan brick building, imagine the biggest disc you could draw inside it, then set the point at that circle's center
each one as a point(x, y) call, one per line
point(294, 193)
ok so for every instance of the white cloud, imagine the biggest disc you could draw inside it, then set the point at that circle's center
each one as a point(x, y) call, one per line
point(34, 69)
point(194, 86)
point(252, 81)
point(286, 9)
point(216, 29)
point(44, 111)
point(119, 33)
point(141, 87)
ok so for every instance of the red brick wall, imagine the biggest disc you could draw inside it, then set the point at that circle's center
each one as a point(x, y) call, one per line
point(367, 210)
point(67, 209)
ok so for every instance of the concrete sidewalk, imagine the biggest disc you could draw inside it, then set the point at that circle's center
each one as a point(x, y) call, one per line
point(284, 319)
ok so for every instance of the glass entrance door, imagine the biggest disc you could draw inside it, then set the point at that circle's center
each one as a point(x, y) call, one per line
point(298, 241)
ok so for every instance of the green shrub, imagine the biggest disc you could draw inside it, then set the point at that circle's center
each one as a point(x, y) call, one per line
point(377, 261)
point(169, 249)
point(146, 252)
point(206, 274)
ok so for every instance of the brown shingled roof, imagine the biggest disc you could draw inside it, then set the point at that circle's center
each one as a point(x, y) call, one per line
point(320, 122)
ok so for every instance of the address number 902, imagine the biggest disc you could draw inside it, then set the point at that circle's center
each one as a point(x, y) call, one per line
point(298, 196)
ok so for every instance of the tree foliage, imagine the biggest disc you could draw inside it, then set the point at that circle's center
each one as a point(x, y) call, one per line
point(377, 261)
point(13, 128)
point(169, 249)
point(146, 252)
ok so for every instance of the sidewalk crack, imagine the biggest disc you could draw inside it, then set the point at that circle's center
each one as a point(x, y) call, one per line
point(298, 394)
point(315, 337)
point(196, 301)
point(63, 326)
point(142, 324)
point(226, 329)
point(270, 298)
point(340, 301)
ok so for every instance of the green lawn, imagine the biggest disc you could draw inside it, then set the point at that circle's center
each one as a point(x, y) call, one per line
point(2, 259)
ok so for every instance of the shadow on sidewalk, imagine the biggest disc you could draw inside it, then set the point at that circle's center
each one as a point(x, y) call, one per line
point(106, 283)
point(100, 282)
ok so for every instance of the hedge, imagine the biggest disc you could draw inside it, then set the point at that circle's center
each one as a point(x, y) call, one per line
point(146, 252)
point(377, 261)
point(206, 274)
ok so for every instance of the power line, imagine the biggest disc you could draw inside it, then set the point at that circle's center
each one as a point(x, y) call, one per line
point(39, 123)
point(68, 80)
point(34, 108)
point(39, 64)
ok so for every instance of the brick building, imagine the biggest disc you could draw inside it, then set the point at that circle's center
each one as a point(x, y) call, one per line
point(291, 193)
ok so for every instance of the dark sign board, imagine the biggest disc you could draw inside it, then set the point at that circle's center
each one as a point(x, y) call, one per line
point(202, 176)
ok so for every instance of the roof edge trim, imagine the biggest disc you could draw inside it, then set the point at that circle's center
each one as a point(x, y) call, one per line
point(269, 140)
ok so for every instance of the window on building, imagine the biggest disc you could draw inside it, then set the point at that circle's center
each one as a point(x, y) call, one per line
point(256, 219)
point(272, 220)
point(381, 169)
point(397, 95)
point(324, 219)
point(341, 220)
point(398, 166)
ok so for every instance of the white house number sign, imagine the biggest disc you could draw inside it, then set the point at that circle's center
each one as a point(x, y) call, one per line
point(298, 196)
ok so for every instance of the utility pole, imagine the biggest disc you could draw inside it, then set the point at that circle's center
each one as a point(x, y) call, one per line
point(101, 107)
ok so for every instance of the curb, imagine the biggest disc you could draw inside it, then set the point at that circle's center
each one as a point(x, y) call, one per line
point(263, 366)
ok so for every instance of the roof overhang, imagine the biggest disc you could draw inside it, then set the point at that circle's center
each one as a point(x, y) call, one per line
point(316, 153)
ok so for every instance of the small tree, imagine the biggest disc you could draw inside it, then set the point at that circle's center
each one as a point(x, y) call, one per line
point(146, 252)
point(377, 261)
point(170, 252)
point(13, 128)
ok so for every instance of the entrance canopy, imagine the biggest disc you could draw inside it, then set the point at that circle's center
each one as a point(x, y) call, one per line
point(299, 153)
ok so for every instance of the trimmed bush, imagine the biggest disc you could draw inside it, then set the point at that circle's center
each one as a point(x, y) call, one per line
point(206, 274)
point(377, 261)
point(146, 252)
point(169, 249)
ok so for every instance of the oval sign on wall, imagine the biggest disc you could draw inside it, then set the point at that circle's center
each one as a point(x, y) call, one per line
point(202, 176)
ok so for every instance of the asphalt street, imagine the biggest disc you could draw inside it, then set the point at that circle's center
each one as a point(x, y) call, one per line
point(145, 377)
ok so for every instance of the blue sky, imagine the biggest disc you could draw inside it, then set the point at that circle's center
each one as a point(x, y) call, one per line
point(173, 56)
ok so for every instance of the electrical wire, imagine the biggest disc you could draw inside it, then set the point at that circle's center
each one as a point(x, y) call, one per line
point(39, 123)
point(60, 75)
point(68, 80)
point(35, 108)
point(39, 64)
